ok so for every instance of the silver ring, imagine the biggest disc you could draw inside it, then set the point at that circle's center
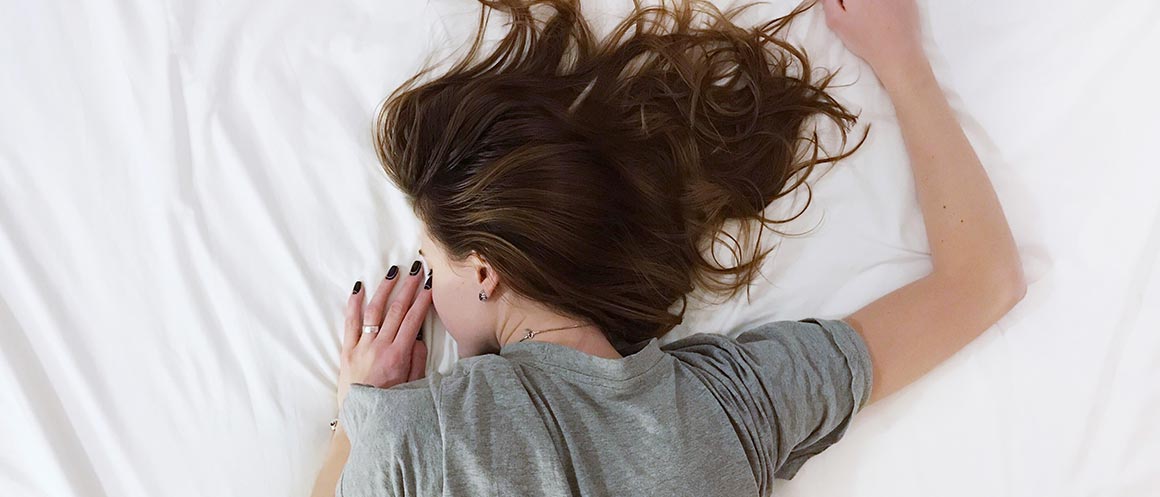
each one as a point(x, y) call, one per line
point(370, 328)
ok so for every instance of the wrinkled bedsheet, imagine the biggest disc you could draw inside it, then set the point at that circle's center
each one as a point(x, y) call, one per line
point(188, 192)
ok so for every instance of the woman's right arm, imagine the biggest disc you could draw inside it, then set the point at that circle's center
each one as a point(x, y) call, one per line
point(977, 275)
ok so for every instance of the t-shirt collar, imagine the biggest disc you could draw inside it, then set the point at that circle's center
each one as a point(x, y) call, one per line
point(638, 358)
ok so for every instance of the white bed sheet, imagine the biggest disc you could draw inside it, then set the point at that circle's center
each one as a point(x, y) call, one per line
point(187, 193)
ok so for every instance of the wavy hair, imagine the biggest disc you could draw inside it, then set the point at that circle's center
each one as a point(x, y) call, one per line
point(596, 174)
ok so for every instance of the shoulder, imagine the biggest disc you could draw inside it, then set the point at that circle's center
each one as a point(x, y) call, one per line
point(369, 408)
point(421, 401)
point(791, 386)
point(774, 334)
point(398, 434)
point(781, 351)
point(396, 439)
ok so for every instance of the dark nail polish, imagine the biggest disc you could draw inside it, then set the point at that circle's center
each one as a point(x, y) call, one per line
point(415, 267)
point(427, 285)
point(391, 273)
point(357, 287)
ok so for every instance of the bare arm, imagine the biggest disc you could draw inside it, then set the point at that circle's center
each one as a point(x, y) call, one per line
point(977, 275)
point(336, 455)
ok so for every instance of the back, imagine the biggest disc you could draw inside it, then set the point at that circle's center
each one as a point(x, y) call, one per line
point(704, 416)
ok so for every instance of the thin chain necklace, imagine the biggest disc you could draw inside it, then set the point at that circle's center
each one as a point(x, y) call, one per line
point(529, 333)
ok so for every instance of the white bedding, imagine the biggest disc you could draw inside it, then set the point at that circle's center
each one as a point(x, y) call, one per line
point(188, 192)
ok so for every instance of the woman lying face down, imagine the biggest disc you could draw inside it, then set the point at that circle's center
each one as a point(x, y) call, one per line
point(573, 189)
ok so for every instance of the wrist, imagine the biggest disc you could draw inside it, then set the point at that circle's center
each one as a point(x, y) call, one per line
point(904, 73)
point(338, 438)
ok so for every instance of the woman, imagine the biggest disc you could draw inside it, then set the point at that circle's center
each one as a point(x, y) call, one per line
point(572, 191)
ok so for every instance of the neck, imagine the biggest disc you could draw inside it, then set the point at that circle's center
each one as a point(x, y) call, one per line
point(587, 338)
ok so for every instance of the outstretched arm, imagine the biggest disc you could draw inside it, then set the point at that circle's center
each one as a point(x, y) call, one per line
point(977, 274)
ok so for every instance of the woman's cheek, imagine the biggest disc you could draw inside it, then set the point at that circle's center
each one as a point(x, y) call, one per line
point(460, 317)
point(444, 305)
point(437, 300)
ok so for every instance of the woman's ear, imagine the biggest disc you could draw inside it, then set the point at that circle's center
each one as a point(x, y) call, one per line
point(486, 277)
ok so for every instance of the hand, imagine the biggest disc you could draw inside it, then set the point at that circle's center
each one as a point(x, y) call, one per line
point(884, 33)
point(392, 355)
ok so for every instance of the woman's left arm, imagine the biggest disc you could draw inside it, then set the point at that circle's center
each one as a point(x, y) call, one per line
point(383, 359)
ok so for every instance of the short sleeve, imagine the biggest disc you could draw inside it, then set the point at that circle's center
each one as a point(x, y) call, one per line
point(790, 388)
point(395, 441)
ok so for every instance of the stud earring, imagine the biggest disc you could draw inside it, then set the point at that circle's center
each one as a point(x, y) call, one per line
point(482, 296)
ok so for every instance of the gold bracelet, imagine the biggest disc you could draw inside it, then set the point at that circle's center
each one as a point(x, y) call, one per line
point(334, 424)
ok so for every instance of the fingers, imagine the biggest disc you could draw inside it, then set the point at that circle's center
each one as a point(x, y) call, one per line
point(378, 304)
point(353, 326)
point(405, 341)
point(418, 362)
point(398, 306)
point(411, 325)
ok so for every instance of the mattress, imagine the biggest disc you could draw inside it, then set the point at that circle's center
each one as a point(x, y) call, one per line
point(188, 192)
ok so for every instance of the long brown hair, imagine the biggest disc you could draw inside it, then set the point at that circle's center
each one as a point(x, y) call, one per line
point(597, 174)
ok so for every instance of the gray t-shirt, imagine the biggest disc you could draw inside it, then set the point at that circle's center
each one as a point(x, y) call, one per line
point(705, 416)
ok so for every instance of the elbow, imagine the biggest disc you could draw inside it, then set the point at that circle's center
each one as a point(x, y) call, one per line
point(999, 286)
point(1019, 294)
point(1009, 285)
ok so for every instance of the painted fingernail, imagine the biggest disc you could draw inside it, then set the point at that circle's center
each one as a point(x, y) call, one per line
point(415, 267)
point(357, 287)
point(427, 285)
point(391, 273)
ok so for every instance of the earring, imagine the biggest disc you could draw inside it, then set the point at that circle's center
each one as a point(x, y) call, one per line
point(482, 296)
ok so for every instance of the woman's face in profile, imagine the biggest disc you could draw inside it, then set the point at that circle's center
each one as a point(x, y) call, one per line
point(455, 295)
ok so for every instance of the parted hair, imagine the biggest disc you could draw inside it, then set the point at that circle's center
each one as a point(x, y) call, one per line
point(596, 174)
